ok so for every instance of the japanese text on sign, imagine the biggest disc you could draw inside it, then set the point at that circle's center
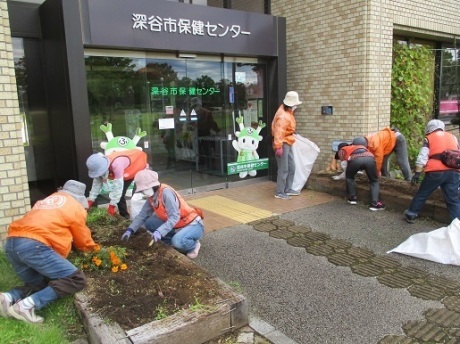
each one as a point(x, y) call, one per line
point(182, 91)
point(237, 167)
point(185, 26)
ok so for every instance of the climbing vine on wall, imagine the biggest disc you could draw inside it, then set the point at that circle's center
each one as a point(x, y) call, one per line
point(411, 93)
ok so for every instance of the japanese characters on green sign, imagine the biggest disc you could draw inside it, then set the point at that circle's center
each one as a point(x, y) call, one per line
point(182, 91)
point(237, 167)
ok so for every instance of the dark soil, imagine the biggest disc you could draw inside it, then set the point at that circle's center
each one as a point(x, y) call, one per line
point(396, 187)
point(156, 283)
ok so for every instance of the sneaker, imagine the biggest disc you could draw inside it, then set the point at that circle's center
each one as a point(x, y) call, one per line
point(293, 193)
point(25, 315)
point(4, 305)
point(193, 254)
point(377, 206)
point(352, 200)
point(282, 196)
point(409, 218)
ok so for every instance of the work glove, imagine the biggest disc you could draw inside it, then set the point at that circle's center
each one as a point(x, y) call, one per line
point(415, 178)
point(279, 151)
point(127, 234)
point(90, 204)
point(112, 210)
point(156, 236)
point(339, 177)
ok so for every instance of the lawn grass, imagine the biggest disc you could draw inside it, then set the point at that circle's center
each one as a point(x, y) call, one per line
point(62, 324)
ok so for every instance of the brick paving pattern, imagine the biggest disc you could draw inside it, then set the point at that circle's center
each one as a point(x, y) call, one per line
point(439, 326)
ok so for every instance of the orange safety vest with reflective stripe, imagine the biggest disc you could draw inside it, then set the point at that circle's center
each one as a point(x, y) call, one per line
point(438, 142)
point(137, 162)
point(187, 212)
point(347, 151)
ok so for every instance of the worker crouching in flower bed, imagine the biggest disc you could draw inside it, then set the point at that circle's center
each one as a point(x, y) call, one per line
point(167, 216)
point(37, 247)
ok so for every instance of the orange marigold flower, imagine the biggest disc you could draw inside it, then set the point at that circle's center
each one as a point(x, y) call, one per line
point(115, 268)
point(97, 262)
point(115, 261)
point(123, 266)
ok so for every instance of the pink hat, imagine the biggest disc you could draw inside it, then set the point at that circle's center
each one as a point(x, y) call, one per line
point(146, 179)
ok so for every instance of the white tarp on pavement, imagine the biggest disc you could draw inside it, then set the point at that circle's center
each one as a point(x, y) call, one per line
point(441, 245)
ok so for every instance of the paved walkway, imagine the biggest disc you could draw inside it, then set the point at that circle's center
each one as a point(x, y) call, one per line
point(315, 269)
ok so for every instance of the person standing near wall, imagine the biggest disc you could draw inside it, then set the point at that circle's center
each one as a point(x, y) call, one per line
point(436, 173)
point(283, 129)
point(359, 158)
point(384, 142)
point(37, 247)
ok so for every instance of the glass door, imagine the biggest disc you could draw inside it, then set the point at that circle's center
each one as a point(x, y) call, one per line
point(184, 113)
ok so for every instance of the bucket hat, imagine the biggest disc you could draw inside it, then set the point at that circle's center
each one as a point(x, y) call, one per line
point(433, 125)
point(146, 179)
point(97, 165)
point(292, 99)
point(77, 191)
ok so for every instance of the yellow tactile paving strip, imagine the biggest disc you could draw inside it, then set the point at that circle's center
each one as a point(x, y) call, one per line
point(231, 209)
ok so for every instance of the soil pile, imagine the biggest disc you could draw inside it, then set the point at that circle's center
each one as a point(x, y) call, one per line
point(155, 284)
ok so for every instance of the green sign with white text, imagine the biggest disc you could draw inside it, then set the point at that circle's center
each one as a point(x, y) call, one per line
point(245, 166)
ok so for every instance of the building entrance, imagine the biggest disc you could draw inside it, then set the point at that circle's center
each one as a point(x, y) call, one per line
point(184, 113)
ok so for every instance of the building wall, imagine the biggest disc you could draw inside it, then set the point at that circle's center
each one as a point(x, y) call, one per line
point(14, 189)
point(340, 54)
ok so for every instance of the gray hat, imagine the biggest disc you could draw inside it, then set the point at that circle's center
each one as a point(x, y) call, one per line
point(360, 141)
point(97, 164)
point(77, 191)
point(433, 125)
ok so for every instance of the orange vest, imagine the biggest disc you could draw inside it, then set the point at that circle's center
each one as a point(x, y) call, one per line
point(187, 213)
point(283, 128)
point(137, 162)
point(381, 144)
point(438, 142)
point(58, 221)
point(345, 152)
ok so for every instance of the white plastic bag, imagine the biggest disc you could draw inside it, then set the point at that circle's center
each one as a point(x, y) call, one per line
point(137, 202)
point(441, 245)
point(305, 154)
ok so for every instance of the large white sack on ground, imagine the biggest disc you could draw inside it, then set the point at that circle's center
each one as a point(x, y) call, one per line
point(305, 154)
point(441, 245)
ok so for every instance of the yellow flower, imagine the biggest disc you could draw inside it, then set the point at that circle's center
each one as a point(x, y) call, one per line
point(123, 266)
point(115, 268)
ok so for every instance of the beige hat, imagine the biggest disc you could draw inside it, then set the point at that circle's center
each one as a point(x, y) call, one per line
point(292, 99)
point(77, 191)
point(146, 179)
